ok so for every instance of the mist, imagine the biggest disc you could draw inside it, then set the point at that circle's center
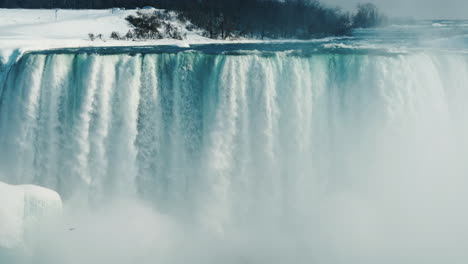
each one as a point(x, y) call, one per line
point(420, 9)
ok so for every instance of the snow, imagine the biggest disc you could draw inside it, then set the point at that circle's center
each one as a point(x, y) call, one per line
point(22, 208)
point(40, 29)
point(23, 30)
point(39, 203)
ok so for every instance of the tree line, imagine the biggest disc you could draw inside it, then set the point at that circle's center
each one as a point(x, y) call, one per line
point(223, 19)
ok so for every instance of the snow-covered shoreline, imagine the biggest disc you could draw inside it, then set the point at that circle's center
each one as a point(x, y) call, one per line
point(23, 30)
point(26, 30)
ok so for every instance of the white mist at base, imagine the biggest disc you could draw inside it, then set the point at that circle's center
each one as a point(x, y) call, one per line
point(258, 158)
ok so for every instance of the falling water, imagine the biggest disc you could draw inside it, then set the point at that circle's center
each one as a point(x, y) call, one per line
point(321, 157)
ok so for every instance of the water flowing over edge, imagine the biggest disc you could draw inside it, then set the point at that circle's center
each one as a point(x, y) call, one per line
point(325, 148)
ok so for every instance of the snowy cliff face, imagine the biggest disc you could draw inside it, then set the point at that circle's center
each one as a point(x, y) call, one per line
point(24, 208)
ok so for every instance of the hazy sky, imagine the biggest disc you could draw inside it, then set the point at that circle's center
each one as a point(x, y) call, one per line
point(454, 9)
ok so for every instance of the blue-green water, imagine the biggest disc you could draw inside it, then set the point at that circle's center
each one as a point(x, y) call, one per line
point(341, 150)
point(434, 35)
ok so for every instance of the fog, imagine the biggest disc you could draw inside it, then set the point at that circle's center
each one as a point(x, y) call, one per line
point(422, 9)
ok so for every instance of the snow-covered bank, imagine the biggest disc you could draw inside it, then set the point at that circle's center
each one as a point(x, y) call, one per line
point(24, 30)
point(23, 207)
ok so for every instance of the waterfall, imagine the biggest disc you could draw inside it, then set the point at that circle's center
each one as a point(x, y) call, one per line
point(338, 149)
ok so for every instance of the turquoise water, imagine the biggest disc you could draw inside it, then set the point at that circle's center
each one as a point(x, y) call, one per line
point(434, 35)
point(341, 150)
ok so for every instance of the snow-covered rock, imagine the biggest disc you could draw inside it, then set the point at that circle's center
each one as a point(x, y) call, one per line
point(23, 207)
